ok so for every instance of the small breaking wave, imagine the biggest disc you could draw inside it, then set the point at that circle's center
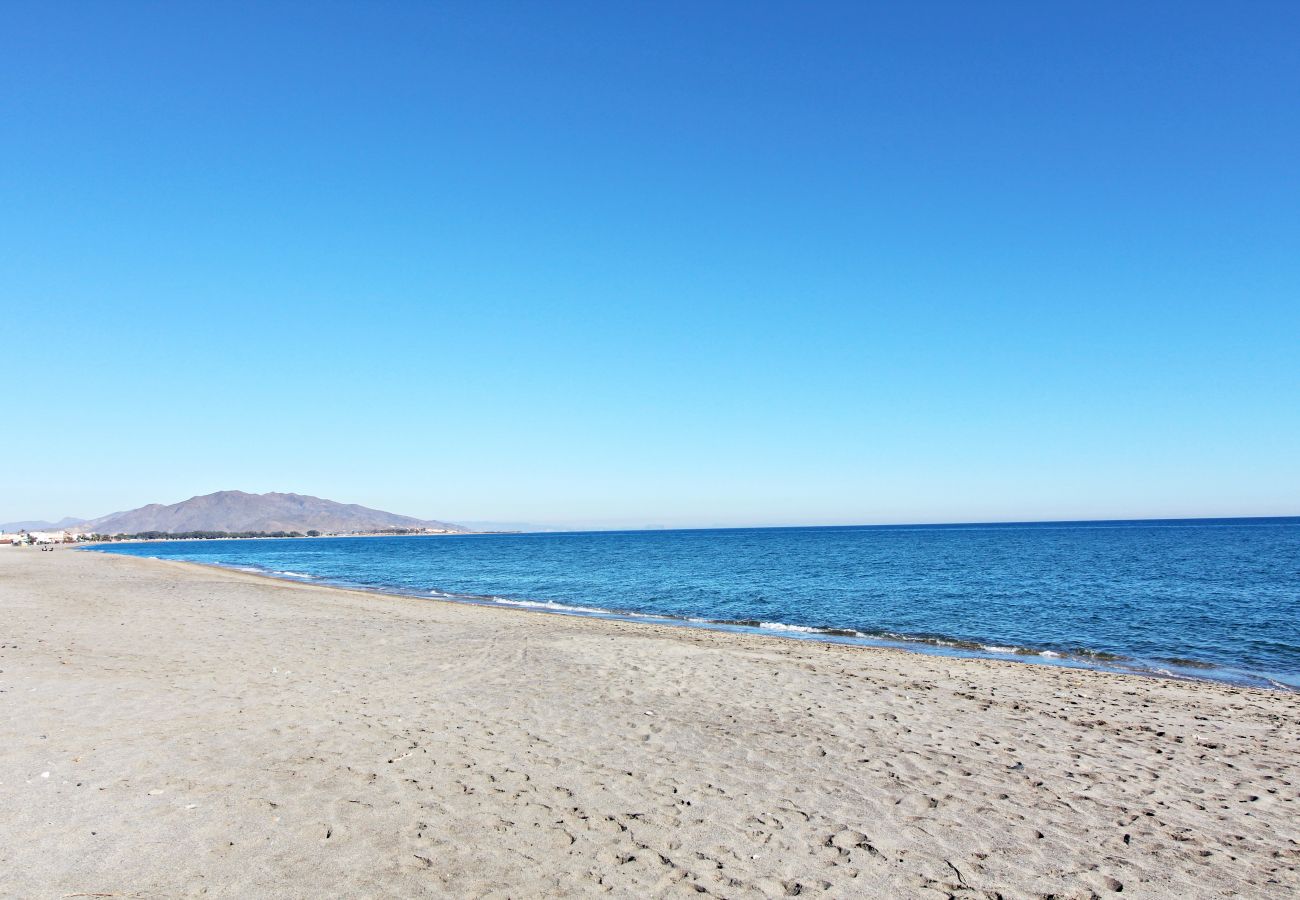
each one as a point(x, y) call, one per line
point(549, 605)
point(782, 626)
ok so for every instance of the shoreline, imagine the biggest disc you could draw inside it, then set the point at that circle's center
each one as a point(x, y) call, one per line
point(1081, 659)
point(176, 729)
point(88, 544)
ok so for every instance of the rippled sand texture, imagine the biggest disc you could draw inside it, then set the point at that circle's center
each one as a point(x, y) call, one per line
point(170, 730)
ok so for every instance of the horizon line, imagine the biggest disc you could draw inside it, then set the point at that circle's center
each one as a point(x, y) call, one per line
point(963, 524)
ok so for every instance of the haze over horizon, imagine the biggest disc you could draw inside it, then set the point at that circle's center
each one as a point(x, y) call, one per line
point(672, 266)
point(631, 524)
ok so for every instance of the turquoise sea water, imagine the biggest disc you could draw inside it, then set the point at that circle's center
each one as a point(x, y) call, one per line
point(1185, 598)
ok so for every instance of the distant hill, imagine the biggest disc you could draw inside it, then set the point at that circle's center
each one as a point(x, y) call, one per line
point(236, 511)
point(39, 525)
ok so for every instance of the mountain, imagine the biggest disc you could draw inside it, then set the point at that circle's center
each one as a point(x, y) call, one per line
point(236, 511)
point(38, 525)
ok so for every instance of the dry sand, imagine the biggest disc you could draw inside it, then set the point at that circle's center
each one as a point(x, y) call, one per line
point(171, 730)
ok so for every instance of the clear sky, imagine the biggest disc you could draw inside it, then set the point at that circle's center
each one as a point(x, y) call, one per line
point(653, 263)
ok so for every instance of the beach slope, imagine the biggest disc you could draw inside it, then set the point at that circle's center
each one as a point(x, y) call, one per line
point(172, 730)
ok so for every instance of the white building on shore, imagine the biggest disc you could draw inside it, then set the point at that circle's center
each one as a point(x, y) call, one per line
point(45, 537)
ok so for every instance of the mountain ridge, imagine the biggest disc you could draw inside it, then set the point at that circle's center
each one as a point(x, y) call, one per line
point(238, 511)
point(41, 524)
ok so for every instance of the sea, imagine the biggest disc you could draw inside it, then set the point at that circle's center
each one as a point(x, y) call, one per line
point(1203, 598)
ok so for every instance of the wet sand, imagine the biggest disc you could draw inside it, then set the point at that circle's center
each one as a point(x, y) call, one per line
point(173, 730)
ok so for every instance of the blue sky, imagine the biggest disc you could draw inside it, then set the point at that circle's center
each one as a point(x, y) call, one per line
point(679, 264)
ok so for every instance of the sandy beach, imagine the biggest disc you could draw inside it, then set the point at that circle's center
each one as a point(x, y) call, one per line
point(171, 730)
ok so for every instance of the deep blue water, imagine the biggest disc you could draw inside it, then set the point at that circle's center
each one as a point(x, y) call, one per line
point(1199, 598)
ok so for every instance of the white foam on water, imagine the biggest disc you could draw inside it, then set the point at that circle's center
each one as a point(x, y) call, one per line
point(295, 574)
point(549, 604)
point(993, 648)
point(1050, 654)
point(781, 626)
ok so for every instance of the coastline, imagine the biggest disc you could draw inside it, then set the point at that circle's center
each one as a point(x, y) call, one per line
point(943, 647)
point(174, 727)
point(1169, 666)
